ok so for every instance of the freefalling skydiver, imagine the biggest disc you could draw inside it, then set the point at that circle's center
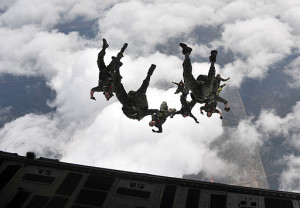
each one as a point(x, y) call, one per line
point(186, 106)
point(205, 87)
point(135, 103)
point(180, 86)
point(160, 117)
point(105, 79)
point(211, 108)
point(218, 82)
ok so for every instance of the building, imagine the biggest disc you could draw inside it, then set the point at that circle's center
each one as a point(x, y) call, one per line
point(30, 182)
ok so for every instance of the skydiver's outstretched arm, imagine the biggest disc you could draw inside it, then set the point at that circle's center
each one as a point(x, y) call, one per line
point(175, 113)
point(201, 109)
point(151, 111)
point(221, 114)
point(195, 119)
point(159, 130)
point(224, 80)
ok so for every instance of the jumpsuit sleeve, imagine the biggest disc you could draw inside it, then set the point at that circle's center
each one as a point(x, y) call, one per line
point(195, 119)
point(159, 129)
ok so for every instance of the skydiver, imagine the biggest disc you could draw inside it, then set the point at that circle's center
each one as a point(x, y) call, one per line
point(219, 79)
point(104, 83)
point(214, 98)
point(160, 117)
point(180, 86)
point(211, 108)
point(186, 106)
point(135, 103)
point(205, 84)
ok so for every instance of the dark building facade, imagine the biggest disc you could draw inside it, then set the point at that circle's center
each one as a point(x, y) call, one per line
point(30, 182)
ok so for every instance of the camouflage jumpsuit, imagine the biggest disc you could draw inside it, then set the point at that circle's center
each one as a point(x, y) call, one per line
point(135, 103)
point(161, 116)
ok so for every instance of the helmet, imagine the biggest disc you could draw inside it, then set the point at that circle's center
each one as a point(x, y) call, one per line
point(108, 93)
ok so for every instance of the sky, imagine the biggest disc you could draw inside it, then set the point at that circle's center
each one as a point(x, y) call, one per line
point(259, 34)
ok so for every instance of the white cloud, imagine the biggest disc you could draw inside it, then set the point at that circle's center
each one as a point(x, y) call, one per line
point(293, 70)
point(290, 180)
point(145, 25)
point(32, 52)
point(48, 14)
point(4, 113)
point(259, 42)
point(135, 147)
point(259, 34)
point(287, 126)
point(33, 133)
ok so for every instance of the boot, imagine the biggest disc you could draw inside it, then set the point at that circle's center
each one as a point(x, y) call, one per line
point(151, 69)
point(185, 48)
point(105, 45)
point(213, 56)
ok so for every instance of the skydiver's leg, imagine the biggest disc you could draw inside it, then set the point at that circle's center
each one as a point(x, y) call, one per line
point(210, 86)
point(183, 100)
point(151, 111)
point(192, 104)
point(116, 61)
point(101, 54)
point(102, 68)
point(188, 77)
point(118, 87)
point(143, 88)
point(212, 70)
point(189, 80)
point(120, 54)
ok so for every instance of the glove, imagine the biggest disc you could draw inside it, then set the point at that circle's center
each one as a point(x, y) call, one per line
point(201, 113)
point(227, 109)
point(197, 122)
point(221, 117)
point(93, 98)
